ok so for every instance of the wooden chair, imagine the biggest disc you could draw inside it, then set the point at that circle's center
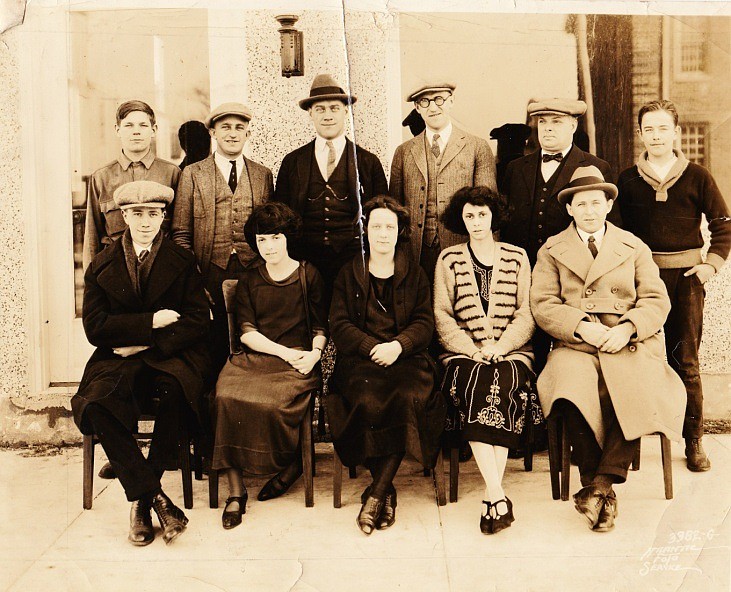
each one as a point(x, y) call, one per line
point(559, 458)
point(306, 440)
point(88, 461)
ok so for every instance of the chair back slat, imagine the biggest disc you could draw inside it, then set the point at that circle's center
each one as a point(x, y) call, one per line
point(229, 293)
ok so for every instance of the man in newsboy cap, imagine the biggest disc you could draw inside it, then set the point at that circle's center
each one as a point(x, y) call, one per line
point(326, 182)
point(214, 200)
point(429, 168)
point(532, 183)
point(146, 311)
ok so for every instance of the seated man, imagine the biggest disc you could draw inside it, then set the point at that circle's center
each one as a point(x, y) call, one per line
point(146, 312)
point(598, 293)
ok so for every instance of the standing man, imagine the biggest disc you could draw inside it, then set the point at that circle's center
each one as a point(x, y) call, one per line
point(663, 199)
point(327, 181)
point(135, 128)
point(532, 184)
point(214, 200)
point(146, 312)
point(428, 169)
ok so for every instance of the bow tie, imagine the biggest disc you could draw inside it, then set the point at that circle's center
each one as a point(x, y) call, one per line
point(549, 157)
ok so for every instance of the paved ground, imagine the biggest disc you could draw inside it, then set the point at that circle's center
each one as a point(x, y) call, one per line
point(48, 543)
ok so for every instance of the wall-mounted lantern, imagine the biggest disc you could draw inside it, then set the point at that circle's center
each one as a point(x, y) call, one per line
point(292, 47)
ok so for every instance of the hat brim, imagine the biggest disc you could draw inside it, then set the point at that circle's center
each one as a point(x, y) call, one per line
point(149, 204)
point(347, 99)
point(609, 189)
point(415, 95)
point(551, 112)
point(211, 120)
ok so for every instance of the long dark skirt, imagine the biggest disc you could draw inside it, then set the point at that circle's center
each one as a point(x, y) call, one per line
point(491, 403)
point(376, 411)
point(260, 403)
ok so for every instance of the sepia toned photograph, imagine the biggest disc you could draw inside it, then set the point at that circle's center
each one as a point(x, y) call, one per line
point(352, 295)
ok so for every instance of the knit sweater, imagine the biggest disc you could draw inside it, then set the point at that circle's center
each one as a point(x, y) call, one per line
point(462, 324)
point(672, 228)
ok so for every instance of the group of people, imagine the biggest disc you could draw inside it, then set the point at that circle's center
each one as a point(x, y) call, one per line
point(438, 326)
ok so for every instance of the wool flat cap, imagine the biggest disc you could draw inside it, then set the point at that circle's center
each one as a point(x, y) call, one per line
point(429, 88)
point(324, 88)
point(138, 194)
point(587, 178)
point(557, 106)
point(238, 109)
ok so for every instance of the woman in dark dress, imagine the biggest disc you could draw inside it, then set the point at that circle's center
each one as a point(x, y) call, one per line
point(383, 402)
point(263, 392)
point(484, 323)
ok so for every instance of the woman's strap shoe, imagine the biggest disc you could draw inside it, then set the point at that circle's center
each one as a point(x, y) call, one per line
point(486, 519)
point(501, 513)
point(275, 487)
point(232, 518)
point(141, 532)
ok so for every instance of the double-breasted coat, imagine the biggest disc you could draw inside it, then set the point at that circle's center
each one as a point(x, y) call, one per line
point(114, 315)
point(621, 284)
point(467, 162)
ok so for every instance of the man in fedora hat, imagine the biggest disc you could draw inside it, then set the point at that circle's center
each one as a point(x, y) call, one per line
point(429, 168)
point(531, 184)
point(146, 311)
point(598, 293)
point(327, 181)
point(215, 198)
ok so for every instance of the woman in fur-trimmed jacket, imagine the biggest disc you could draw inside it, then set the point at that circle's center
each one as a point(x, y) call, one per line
point(483, 319)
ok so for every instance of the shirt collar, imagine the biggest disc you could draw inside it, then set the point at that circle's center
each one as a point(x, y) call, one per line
point(598, 235)
point(338, 143)
point(225, 162)
point(565, 151)
point(444, 134)
point(139, 248)
point(147, 160)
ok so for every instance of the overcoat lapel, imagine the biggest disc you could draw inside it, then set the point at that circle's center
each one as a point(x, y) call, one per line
point(613, 253)
point(115, 281)
point(418, 151)
point(207, 184)
point(572, 253)
point(574, 159)
point(454, 146)
point(530, 170)
point(165, 269)
point(304, 164)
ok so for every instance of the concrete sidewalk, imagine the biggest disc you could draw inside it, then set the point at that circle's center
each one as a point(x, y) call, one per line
point(48, 543)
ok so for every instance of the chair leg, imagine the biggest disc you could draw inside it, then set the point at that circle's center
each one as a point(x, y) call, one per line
point(306, 446)
point(197, 460)
point(554, 455)
point(453, 474)
point(337, 479)
point(212, 488)
point(667, 466)
point(528, 458)
point(439, 481)
point(88, 472)
point(565, 461)
point(635, 466)
point(185, 468)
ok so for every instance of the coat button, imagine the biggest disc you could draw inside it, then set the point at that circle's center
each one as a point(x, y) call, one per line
point(632, 348)
point(422, 188)
point(489, 336)
point(617, 305)
point(420, 225)
point(589, 292)
point(421, 206)
point(540, 213)
point(615, 289)
point(590, 305)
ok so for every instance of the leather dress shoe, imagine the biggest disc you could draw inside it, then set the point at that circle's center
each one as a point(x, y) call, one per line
point(486, 520)
point(589, 501)
point(608, 513)
point(275, 487)
point(141, 532)
point(172, 520)
point(696, 458)
point(501, 521)
point(232, 518)
point(369, 514)
point(107, 471)
point(388, 513)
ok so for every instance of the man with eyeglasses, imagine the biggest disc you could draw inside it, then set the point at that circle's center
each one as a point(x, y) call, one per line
point(429, 168)
point(327, 181)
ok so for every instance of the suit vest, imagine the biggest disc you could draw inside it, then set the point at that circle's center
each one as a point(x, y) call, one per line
point(232, 212)
point(431, 222)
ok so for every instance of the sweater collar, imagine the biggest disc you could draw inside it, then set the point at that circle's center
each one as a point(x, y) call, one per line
point(661, 186)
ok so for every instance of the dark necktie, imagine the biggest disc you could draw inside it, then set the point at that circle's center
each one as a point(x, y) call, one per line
point(435, 146)
point(549, 157)
point(330, 158)
point(142, 256)
point(591, 243)
point(232, 180)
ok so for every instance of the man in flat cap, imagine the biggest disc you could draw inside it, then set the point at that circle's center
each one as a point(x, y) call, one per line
point(531, 184)
point(597, 291)
point(146, 311)
point(429, 168)
point(214, 200)
point(327, 181)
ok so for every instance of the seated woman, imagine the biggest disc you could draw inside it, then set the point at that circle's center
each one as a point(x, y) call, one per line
point(483, 319)
point(383, 402)
point(263, 392)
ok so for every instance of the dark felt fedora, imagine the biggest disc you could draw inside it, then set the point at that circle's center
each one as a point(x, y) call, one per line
point(324, 88)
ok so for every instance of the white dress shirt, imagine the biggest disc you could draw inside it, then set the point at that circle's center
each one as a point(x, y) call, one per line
point(598, 236)
point(444, 136)
point(224, 165)
point(322, 152)
point(548, 168)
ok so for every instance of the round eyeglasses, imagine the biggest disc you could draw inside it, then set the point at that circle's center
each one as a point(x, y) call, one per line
point(438, 101)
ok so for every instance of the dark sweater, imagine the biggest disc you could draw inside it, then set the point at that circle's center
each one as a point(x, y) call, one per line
point(674, 225)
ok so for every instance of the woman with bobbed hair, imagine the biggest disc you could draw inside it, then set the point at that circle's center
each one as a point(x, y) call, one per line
point(483, 319)
point(383, 402)
point(263, 391)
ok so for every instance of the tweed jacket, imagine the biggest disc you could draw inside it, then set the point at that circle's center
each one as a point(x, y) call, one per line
point(519, 185)
point(467, 161)
point(194, 220)
point(621, 284)
point(462, 324)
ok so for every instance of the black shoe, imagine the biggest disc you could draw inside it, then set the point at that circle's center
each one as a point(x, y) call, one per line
point(141, 532)
point(608, 513)
point(369, 514)
point(589, 501)
point(501, 520)
point(696, 458)
point(511, 516)
point(107, 471)
point(276, 487)
point(172, 520)
point(232, 518)
point(388, 513)
point(486, 520)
